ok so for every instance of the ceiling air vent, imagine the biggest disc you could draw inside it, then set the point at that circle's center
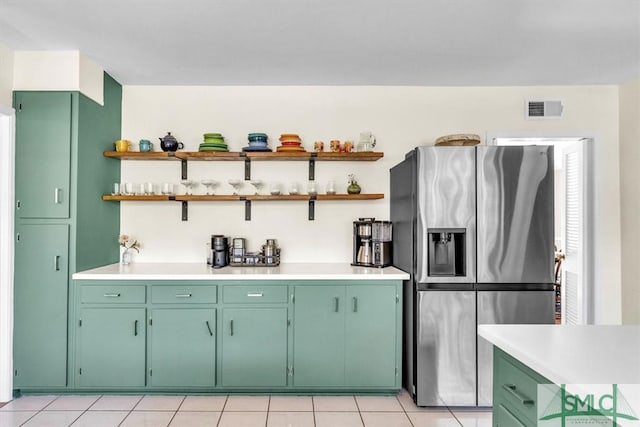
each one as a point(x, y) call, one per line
point(543, 109)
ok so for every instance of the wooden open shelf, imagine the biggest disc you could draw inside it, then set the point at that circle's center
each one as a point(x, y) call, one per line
point(233, 155)
point(146, 198)
point(235, 198)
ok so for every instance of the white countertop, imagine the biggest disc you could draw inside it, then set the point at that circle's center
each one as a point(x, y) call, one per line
point(572, 354)
point(200, 271)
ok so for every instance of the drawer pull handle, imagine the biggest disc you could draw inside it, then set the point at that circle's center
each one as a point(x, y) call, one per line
point(336, 302)
point(183, 295)
point(135, 328)
point(56, 263)
point(512, 389)
point(355, 304)
point(255, 294)
point(209, 328)
point(231, 327)
point(56, 195)
point(111, 295)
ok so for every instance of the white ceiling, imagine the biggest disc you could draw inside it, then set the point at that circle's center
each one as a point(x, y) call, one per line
point(338, 42)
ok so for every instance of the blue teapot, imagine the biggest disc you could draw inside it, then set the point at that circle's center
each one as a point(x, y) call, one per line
point(170, 143)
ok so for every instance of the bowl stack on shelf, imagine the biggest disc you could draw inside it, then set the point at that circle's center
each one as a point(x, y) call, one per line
point(290, 142)
point(213, 142)
point(257, 142)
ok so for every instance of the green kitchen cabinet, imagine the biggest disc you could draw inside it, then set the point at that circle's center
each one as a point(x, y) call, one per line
point(370, 341)
point(43, 154)
point(59, 169)
point(254, 347)
point(111, 347)
point(182, 347)
point(515, 391)
point(346, 336)
point(319, 336)
point(40, 310)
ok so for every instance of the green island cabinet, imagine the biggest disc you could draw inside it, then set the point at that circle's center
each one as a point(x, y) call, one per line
point(59, 170)
point(515, 388)
point(250, 335)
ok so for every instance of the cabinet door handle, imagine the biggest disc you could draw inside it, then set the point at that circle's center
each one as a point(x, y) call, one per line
point(56, 262)
point(111, 295)
point(231, 327)
point(254, 294)
point(56, 195)
point(135, 328)
point(355, 304)
point(512, 390)
point(209, 328)
point(183, 295)
point(336, 301)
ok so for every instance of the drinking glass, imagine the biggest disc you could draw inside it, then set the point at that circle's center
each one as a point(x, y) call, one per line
point(236, 184)
point(331, 187)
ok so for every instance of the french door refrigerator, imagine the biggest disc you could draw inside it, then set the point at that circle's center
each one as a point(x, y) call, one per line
point(474, 227)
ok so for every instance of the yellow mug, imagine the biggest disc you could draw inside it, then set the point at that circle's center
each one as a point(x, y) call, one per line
point(122, 145)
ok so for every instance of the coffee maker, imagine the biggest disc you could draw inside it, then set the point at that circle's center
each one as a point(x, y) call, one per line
point(372, 243)
point(219, 251)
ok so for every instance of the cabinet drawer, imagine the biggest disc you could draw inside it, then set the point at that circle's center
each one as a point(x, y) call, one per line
point(254, 294)
point(190, 294)
point(517, 389)
point(116, 294)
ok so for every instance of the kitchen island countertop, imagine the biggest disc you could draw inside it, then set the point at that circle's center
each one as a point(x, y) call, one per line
point(200, 271)
point(594, 354)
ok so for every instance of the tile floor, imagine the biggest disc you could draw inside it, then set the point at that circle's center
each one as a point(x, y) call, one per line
point(232, 411)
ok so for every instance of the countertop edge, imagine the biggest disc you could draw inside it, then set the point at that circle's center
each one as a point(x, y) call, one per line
point(199, 272)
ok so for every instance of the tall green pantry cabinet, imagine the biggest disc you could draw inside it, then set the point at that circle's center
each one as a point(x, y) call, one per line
point(61, 225)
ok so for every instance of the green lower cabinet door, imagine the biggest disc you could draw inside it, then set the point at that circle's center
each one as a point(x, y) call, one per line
point(40, 309)
point(318, 344)
point(502, 417)
point(111, 347)
point(370, 356)
point(183, 347)
point(254, 347)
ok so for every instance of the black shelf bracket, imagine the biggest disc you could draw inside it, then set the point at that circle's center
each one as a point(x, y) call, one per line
point(247, 210)
point(185, 211)
point(247, 168)
point(312, 166)
point(184, 168)
point(312, 208)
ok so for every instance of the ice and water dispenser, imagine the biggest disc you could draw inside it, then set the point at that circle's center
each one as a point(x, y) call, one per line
point(446, 251)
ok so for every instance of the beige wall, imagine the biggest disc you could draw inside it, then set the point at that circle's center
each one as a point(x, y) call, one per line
point(6, 76)
point(630, 199)
point(400, 117)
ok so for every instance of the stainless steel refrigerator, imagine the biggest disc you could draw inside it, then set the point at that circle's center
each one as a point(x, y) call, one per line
point(474, 227)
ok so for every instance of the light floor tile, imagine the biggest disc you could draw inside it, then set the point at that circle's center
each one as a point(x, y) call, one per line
point(409, 405)
point(378, 404)
point(147, 419)
point(243, 419)
point(15, 419)
point(71, 403)
point(433, 419)
point(338, 419)
point(291, 403)
point(115, 403)
point(159, 403)
point(53, 419)
point(334, 403)
point(203, 403)
point(385, 419)
point(101, 419)
point(29, 403)
point(290, 419)
point(247, 403)
point(474, 418)
point(195, 419)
